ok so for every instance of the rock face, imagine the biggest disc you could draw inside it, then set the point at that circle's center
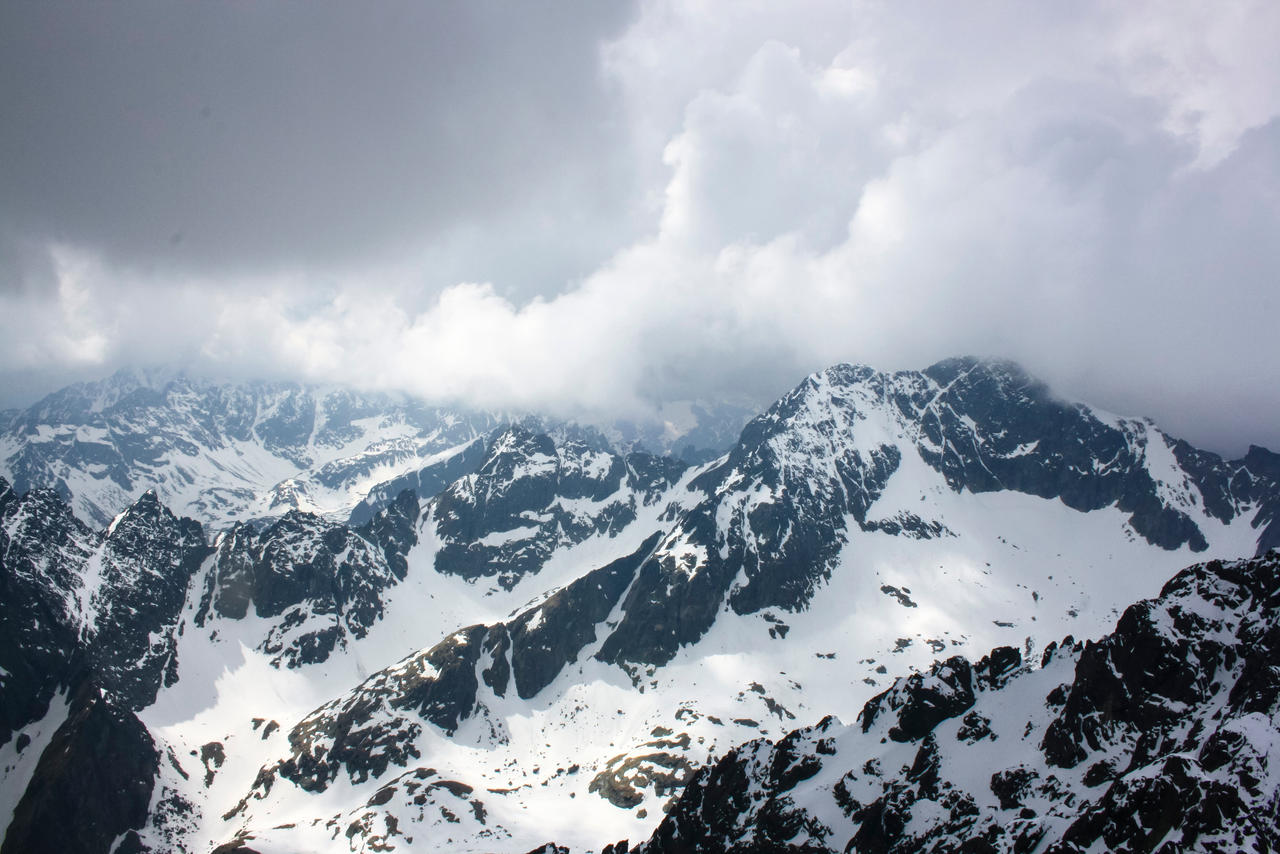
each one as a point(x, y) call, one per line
point(778, 507)
point(92, 617)
point(378, 724)
point(758, 532)
point(95, 617)
point(533, 494)
point(44, 549)
point(77, 601)
point(144, 567)
point(93, 783)
point(1159, 736)
point(320, 583)
point(426, 482)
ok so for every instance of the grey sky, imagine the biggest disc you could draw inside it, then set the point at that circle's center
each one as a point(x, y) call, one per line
point(585, 207)
point(232, 137)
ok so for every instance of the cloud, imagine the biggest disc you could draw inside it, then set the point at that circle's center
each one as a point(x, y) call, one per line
point(1090, 189)
point(228, 138)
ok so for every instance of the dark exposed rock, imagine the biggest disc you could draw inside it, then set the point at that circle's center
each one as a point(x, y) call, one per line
point(375, 725)
point(42, 550)
point(919, 702)
point(212, 755)
point(974, 728)
point(533, 493)
point(101, 742)
point(1030, 442)
point(394, 528)
point(324, 582)
point(670, 603)
point(903, 598)
point(784, 544)
point(763, 532)
point(1158, 661)
point(148, 559)
point(661, 766)
point(776, 508)
point(238, 845)
point(546, 638)
point(426, 483)
point(741, 803)
point(1175, 713)
point(74, 602)
point(1011, 784)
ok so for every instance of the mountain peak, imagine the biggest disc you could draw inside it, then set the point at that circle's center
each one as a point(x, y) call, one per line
point(146, 510)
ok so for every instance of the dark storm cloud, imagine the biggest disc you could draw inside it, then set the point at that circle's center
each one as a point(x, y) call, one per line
point(229, 136)
point(584, 210)
point(25, 266)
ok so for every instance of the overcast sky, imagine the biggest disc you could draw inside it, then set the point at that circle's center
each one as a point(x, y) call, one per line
point(586, 207)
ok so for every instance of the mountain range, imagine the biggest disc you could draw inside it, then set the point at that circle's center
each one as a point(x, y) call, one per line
point(394, 627)
point(223, 452)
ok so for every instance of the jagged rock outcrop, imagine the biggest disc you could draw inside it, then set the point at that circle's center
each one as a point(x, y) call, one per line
point(833, 533)
point(1160, 736)
point(143, 570)
point(43, 548)
point(93, 783)
point(760, 531)
point(321, 583)
point(778, 506)
point(426, 482)
point(535, 493)
point(76, 601)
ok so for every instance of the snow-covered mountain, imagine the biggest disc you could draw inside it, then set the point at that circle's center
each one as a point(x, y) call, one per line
point(228, 452)
point(1163, 735)
point(87, 638)
point(548, 646)
point(224, 452)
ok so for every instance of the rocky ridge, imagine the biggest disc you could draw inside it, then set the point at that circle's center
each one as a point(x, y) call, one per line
point(781, 505)
point(87, 637)
point(1160, 736)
